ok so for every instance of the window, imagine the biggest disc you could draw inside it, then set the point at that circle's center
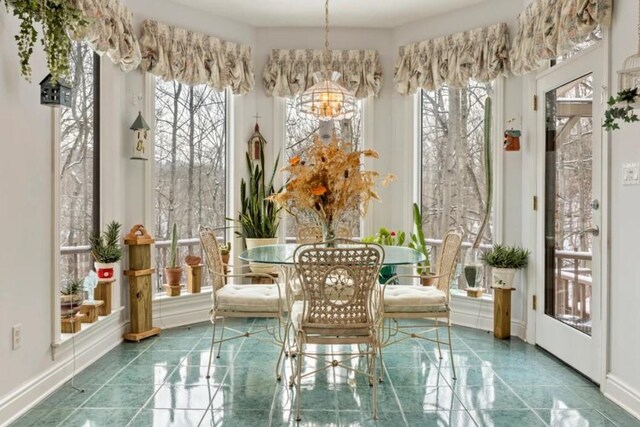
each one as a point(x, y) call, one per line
point(190, 164)
point(79, 164)
point(452, 166)
point(298, 131)
point(593, 38)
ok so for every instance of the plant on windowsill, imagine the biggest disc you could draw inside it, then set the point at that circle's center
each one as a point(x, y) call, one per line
point(621, 107)
point(506, 261)
point(419, 243)
point(71, 298)
point(106, 250)
point(387, 237)
point(173, 271)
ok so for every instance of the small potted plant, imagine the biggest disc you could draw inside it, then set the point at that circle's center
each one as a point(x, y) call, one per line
point(506, 261)
point(387, 237)
point(173, 271)
point(71, 298)
point(419, 243)
point(106, 250)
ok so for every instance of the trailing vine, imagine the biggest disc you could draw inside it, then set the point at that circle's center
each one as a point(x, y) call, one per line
point(626, 98)
point(56, 17)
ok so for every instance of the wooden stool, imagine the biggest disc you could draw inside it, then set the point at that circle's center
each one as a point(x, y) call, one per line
point(71, 325)
point(102, 292)
point(502, 312)
point(194, 278)
point(90, 309)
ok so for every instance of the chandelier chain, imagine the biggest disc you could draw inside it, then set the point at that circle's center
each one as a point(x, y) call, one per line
point(326, 25)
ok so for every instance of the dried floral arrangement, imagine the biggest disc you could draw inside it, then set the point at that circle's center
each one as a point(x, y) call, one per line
point(329, 181)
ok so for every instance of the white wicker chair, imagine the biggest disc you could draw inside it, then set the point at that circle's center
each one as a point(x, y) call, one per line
point(239, 300)
point(421, 302)
point(339, 306)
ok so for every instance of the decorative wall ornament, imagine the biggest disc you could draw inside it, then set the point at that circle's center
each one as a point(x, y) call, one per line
point(109, 31)
point(256, 142)
point(55, 93)
point(140, 137)
point(289, 72)
point(480, 54)
point(549, 28)
point(173, 53)
point(629, 76)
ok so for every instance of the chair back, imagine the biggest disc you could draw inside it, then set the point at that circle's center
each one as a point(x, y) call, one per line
point(212, 257)
point(337, 285)
point(449, 252)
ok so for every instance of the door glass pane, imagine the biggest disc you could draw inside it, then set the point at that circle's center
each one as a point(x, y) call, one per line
point(568, 243)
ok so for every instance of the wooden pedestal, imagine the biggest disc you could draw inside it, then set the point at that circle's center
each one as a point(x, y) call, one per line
point(502, 312)
point(71, 325)
point(172, 291)
point(90, 311)
point(102, 292)
point(474, 292)
point(194, 278)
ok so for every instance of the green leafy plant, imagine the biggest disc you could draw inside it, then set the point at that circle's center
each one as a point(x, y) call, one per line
point(57, 18)
point(72, 287)
point(501, 256)
point(614, 112)
point(105, 247)
point(258, 215)
point(418, 242)
point(386, 237)
point(173, 250)
point(225, 249)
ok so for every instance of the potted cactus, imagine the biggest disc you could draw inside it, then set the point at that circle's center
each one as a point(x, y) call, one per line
point(71, 298)
point(173, 271)
point(106, 250)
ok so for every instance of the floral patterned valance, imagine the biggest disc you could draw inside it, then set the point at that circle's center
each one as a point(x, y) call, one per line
point(110, 31)
point(549, 28)
point(480, 54)
point(192, 58)
point(290, 72)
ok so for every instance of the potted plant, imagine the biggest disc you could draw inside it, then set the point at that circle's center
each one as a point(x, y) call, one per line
point(506, 261)
point(71, 298)
point(173, 271)
point(387, 237)
point(419, 243)
point(258, 215)
point(106, 250)
point(225, 253)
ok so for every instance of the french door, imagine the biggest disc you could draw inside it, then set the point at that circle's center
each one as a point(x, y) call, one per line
point(568, 321)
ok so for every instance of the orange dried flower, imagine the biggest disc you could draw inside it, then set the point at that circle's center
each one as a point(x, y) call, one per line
point(319, 190)
point(294, 160)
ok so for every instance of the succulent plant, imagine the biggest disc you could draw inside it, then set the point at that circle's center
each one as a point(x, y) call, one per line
point(105, 247)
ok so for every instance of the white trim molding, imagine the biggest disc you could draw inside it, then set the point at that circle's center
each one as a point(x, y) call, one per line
point(477, 313)
point(622, 394)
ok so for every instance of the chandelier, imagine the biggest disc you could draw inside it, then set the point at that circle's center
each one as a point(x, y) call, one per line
point(327, 99)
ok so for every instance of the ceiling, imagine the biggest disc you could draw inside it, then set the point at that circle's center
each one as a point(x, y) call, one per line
point(342, 13)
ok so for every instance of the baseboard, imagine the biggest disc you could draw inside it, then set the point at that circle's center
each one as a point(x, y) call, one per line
point(477, 313)
point(622, 394)
point(186, 309)
point(88, 350)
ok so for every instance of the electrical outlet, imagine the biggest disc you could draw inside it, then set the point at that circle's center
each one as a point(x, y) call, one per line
point(631, 174)
point(17, 336)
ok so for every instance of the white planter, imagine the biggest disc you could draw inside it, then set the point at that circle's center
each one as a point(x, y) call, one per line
point(259, 267)
point(503, 277)
point(105, 270)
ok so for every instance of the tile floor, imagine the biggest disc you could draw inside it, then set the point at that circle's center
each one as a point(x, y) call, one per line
point(161, 382)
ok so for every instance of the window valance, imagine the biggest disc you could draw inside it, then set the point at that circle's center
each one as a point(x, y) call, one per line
point(110, 31)
point(480, 54)
point(192, 58)
point(549, 28)
point(289, 72)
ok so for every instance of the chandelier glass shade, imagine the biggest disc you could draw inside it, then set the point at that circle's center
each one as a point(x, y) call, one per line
point(327, 99)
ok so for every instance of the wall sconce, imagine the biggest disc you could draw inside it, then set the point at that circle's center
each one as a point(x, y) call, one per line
point(140, 130)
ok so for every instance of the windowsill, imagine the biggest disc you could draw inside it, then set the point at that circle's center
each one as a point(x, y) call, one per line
point(184, 295)
point(459, 294)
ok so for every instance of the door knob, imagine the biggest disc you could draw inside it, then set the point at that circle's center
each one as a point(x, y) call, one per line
point(595, 205)
point(595, 231)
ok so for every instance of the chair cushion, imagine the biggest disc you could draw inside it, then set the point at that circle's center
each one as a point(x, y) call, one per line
point(414, 299)
point(250, 298)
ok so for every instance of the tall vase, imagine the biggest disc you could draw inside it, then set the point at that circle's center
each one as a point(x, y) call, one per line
point(473, 269)
point(328, 233)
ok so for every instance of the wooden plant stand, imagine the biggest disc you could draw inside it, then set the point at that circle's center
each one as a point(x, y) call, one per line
point(194, 278)
point(502, 312)
point(102, 292)
point(139, 273)
point(71, 325)
point(171, 290)
point(474, 292)
point(90, 309)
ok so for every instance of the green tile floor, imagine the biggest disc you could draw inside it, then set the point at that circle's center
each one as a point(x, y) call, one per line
point(161, 382)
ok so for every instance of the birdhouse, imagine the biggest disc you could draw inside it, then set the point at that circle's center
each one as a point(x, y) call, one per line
point(256, 143)
point(55, 93)
point(140, 130)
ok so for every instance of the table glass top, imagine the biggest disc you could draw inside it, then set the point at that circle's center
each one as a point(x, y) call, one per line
point(283, 254)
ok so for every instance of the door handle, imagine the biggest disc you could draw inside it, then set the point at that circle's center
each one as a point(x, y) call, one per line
point(595, 231)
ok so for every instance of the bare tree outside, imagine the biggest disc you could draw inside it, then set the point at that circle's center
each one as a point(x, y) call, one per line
point(453, 171)
point(76, 165)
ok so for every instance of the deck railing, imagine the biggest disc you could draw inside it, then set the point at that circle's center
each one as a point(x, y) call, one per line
point(75, 262)
point(573, 288)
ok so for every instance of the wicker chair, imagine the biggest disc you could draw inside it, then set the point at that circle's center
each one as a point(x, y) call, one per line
point(421, 302)
point(339, 286)
point(239, 300)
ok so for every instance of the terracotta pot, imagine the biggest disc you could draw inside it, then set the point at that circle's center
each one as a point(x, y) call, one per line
point(512, 140)
point(225, 265)
point(173, 276)
point(104, 270)
point(428, 280)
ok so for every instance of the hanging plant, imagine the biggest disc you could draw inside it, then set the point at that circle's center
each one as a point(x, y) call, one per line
point(621, 107)
point(56, 18)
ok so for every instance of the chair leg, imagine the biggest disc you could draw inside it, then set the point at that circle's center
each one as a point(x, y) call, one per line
point(438, 339)
point(453, 365)
point(213, 338)
point(381, 376)
point(281, 354)
point(221, 339)
point(298, 381)
point(375, 388)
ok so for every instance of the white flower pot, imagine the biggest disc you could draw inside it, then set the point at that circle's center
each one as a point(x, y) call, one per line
point(503, 277)
point(105, 270)
point(259, 267)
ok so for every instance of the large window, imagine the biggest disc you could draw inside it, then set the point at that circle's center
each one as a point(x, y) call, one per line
point(298, 138)
point(190, 163)
point(452, 167)
point(79, 164)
